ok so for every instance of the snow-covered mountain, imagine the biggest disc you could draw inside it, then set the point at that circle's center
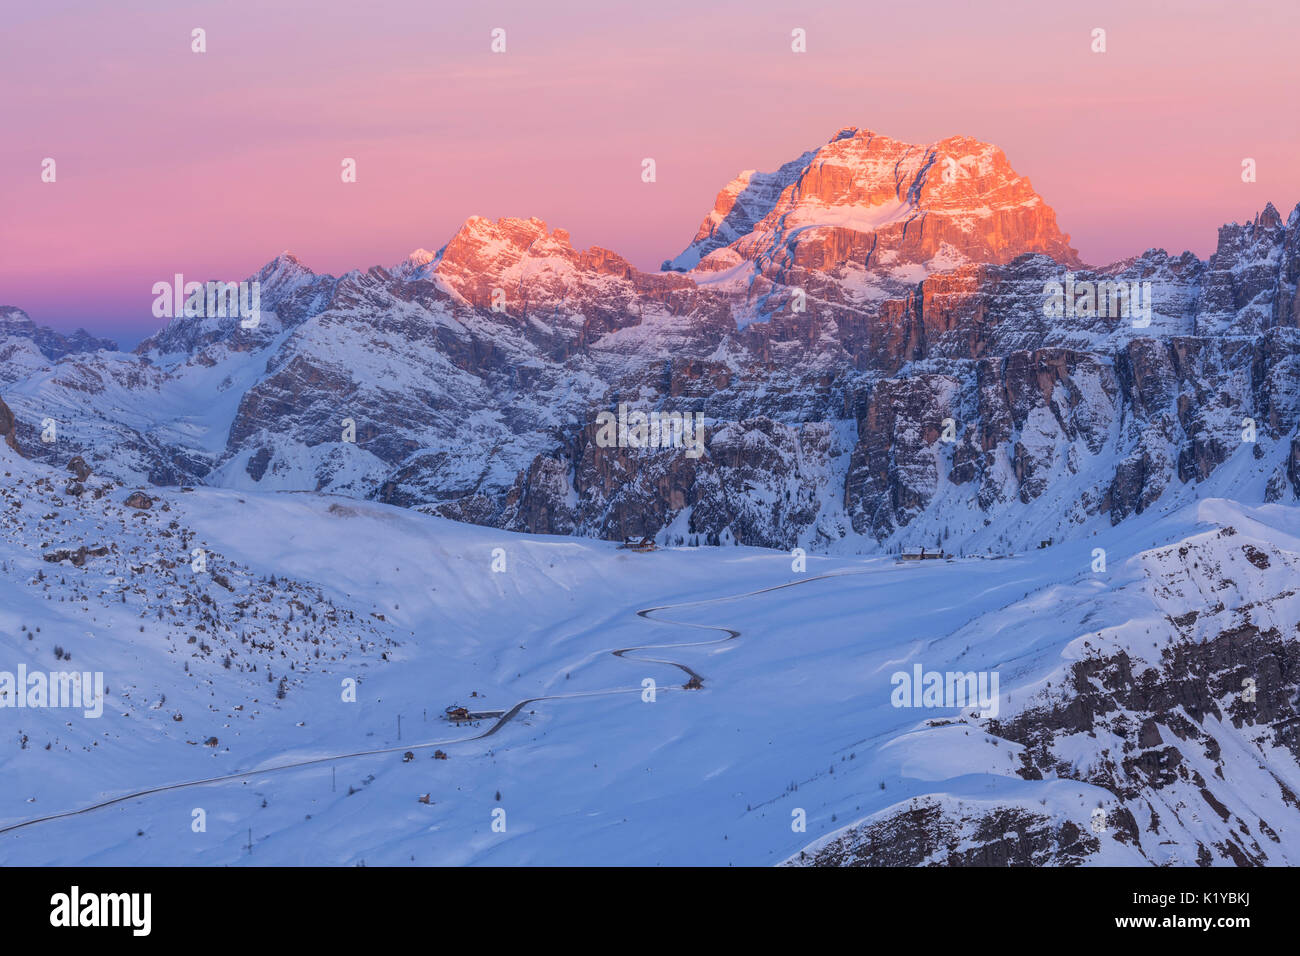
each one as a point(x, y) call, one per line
point(26, 348)
point(871, 208)
point(866, 332)
point(1144, 712)
point(891, 345)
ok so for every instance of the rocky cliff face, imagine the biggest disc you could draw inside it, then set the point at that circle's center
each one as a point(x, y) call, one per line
point(908, 200)
point(1182, 726)
point(938, 832)
point(866, 331)
point(8, 426)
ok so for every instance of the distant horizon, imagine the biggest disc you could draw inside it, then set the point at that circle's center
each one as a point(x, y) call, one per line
point(210, 163)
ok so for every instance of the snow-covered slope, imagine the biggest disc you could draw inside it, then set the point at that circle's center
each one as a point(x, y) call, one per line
point(1120, 690)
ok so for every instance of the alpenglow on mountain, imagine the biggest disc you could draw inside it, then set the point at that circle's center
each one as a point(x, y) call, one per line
point(863, 330)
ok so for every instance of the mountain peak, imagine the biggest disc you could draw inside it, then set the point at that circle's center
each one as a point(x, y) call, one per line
point(414, 266)
point(17, 324)
point(509, 236)
point(848, 132)
point(867, 198)
point(285, 265)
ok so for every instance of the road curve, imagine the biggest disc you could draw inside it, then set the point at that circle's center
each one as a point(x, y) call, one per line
point(505, 718)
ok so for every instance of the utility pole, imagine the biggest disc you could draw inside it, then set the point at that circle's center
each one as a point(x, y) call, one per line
point(399, 728)
point(334, 773)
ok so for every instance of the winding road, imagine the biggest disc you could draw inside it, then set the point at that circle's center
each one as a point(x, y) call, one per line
point(502, 720)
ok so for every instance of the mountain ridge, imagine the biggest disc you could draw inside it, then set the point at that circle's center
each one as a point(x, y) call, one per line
point(825, 364)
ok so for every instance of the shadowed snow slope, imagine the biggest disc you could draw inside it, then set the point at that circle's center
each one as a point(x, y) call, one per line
point(1119, 691)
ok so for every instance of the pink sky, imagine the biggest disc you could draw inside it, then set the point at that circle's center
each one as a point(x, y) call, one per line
point(209, 165)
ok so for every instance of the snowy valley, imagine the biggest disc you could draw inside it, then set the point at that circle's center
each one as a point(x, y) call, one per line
point(1121, 692)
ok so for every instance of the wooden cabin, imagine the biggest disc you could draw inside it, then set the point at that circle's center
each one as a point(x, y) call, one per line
point(921, 554)
point(632, 543)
